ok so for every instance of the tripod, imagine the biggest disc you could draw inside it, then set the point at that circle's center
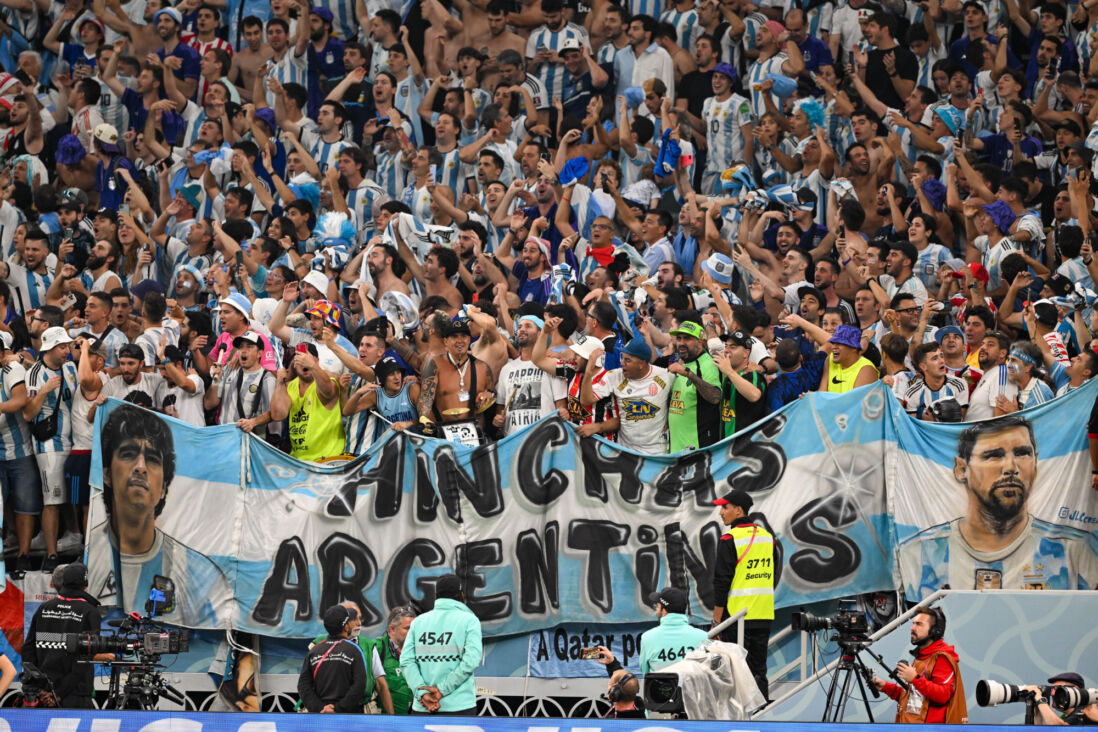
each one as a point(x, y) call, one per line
point(850, 668)
point(142, 689)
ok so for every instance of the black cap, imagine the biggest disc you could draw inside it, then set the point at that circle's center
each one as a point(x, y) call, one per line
point(74, 576)
point(456, 327)
point(1045, 313)
point(736, 498)
point(386, 366)
point(1069, 677)
point(671, 599)
point(107, 213)
point(737, 338)
point(71, 205)
point(131, 350)
point(335, 618)
point(448, 587)
point(1060, 285)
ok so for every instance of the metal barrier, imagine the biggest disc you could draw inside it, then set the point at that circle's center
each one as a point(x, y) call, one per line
point(737, 619)
point(805, 682)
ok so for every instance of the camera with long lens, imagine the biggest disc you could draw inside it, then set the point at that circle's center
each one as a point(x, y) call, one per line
point(849, 624)
point(991, 693)
point(138, 645)
point(1072, 697)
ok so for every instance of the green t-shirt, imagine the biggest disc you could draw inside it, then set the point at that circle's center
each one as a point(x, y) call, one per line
point(693, 422)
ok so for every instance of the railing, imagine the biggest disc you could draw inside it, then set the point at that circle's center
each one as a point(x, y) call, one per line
point(803, 661)
point(737, 619)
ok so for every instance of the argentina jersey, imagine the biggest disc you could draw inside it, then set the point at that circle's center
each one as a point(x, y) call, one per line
point(686, 25)
point(406, 99)
point(389, 173)
point(360, 428)
point(551, 75)
point(360, 201)
point(15, 437)
point(931, 257)
point(453, 173)
point(1043, 557)
point(757, 74)
point(326, 154)
point(58, 401)
point(290, 69)
point(645, 7)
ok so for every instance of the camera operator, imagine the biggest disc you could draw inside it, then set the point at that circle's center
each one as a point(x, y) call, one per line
point(674, 637)
point(622, 690)
point(934, 692)
point(1087, 716)
point(333, 675)
point(72, 611)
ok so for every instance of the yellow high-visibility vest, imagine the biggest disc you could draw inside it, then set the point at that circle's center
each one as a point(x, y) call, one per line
point(753, 582)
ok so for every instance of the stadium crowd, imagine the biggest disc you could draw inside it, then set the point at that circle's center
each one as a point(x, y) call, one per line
point(662, 221)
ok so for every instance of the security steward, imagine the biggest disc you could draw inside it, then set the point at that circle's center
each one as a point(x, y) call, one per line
point(1085, 716)
point(72, 611)
point(333, 675)
point(743, 578)
point(670, 641)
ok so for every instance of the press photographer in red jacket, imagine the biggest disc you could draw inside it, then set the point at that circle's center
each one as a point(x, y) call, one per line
point(934, 692)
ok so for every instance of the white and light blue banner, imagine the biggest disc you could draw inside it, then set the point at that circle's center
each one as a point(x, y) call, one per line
point(546, 528)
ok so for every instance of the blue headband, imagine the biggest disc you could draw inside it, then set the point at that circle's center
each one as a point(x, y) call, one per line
point(533, 319)
point(1022, 356)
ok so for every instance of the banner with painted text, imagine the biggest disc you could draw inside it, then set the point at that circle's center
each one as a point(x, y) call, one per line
point(546, 528)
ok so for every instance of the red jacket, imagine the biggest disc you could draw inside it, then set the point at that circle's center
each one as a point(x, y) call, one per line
point(936, 684)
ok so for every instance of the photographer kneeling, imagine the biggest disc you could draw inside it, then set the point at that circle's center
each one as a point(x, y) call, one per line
point(72, 611)
point(1087, 715)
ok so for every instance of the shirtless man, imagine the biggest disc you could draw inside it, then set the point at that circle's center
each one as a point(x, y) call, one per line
point(440, 264)
point(248, 61)
point(497, 38)
point(449, 380)
point(380, 263)
point(867, 177)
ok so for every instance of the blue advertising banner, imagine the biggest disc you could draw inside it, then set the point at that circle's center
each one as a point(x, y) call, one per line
point(546, 528)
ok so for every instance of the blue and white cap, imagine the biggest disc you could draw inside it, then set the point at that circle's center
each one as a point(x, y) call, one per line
point(720, 268)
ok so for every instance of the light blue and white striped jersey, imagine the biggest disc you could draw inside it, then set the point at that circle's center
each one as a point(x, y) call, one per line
point(1076, 271)
point(919, 396)
point(631, 166)
point(993, 257)
point(361, 202)
point(551, 75)
point(194, 116)
point(15, 437)
point(417, 199)
point(818, 184)
point(1036, 392)
point(1043, 557)
point(724, 130)
point(453, 173)
point(645, 7)
point(406, 99)
point(290, 69)
point(59, 400)
point(29, 288)
point(686, 25)
point(359, 428)
point(379, 59)
point(177, 256)
point(326, 154)
point(390, 175)
point(114, 340)
point(926, 267)
point(344, 22)
point(757, 74)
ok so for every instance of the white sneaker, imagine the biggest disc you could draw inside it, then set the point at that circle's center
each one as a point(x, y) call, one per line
point(38, 543)
point(70, 543)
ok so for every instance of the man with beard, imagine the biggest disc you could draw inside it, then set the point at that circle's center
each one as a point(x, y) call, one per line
point(528, 393)
point(131, 378)
point(997, 543)
point(934, 693)
point(899, 277)
point(243, 388)
point(31, 280)
point(694, 414)
point(455, 387)
point(867, 179)
point(323, 314)
point(379, 261)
